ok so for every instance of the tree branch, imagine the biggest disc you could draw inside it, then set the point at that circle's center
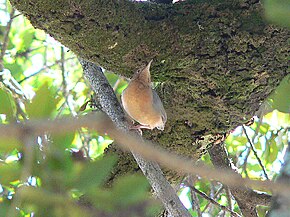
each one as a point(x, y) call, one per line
point(151, 170)
point(148, 150)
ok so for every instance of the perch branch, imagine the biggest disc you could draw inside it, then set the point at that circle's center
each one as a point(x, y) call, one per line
point(151, 170)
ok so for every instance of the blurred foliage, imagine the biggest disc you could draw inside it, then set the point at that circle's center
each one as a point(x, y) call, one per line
point(44, 80)
point(277, 11)
point(279, 99)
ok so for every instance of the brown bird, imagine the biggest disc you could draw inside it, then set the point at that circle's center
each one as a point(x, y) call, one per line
point(142, 103)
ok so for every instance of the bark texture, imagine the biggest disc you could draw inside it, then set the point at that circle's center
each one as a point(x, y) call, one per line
point(216, 61)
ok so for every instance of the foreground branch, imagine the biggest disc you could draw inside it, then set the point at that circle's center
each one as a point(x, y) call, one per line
point(146, 149)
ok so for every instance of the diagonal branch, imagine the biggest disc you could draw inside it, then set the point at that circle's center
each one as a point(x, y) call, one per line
point(148, 150)
point(151, 170)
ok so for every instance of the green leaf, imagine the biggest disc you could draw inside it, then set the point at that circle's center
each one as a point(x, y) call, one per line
point(130, 190)
point(277, 11)
point(204, 186)
point(9, 173)
point(262, 210)
point(239, 140)
point(59, 160)
point(4, 207)
point(43, 104)
point(63, 140)
point(8, 144)
point(258, 145)
point(112, 78)
point(7, 104)
point(16, 69)
point(154, 210)
point(280, 98)
point(273, 152)
point(277, 119)
point(255, 167)
point(264, 128)
point(102, 199)
point(27, 39)
point(94, 174)
point(41, 197)
point(49, 203)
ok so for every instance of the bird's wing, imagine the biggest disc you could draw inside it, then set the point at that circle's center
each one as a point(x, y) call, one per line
point(159, 106)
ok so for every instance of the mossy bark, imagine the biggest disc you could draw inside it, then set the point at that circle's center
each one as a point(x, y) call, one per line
point(216, 61)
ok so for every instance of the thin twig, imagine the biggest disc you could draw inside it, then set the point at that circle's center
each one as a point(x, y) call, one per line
point(246, 162)
point(255, 153)
point(214, 197)
point(67, 102)
point(6, 39)
point(195, 202)
point(63, 73)
point(85, 143)
point(229, 197)
point(45, 52)
point(17, 15)
point(44, 68)
point(26, 52)
point(224, 208)
point(190, 182)
point(211, 194)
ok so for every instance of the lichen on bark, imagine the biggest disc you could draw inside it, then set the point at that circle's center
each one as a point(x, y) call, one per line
point(216, 61)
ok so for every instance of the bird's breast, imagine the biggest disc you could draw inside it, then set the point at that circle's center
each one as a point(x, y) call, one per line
point(137, 101)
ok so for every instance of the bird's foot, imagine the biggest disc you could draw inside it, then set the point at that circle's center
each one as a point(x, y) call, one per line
point(139, 128)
